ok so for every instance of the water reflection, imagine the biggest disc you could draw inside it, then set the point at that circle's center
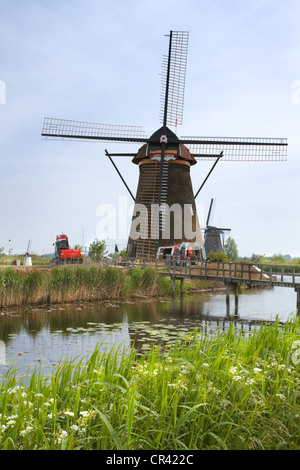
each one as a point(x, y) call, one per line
point(44, 336)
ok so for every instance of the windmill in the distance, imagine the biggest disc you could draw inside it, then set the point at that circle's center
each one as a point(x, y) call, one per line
point(27, 256)
point(213, 236)
point(164, 160)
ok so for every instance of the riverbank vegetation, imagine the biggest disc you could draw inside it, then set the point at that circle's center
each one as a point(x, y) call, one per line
point(85, 283)
point(222, 391)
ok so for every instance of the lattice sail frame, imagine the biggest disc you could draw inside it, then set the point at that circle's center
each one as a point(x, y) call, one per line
point(237, 148)
point(60, 129)
point(174, 63)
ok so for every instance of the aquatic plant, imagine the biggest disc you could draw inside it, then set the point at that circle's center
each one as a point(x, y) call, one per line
point(80, 283)
point(222, 391)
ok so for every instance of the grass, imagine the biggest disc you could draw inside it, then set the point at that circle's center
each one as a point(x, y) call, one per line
point(36, 259)
point(221, 391)
point(81, 283)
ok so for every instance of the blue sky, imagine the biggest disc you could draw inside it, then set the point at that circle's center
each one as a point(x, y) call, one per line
point(100, 61)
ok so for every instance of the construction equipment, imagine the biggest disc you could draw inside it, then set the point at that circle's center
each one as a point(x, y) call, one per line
point(64, 254)
point(164, 160)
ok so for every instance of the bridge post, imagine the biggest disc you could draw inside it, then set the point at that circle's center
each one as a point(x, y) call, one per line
point(298, 301)
point(173, 285)
point(227, 299)
point(181, 286)
point(236, 298)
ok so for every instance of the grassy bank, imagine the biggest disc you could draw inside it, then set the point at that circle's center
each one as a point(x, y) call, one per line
point(227, 391)
point(82, 283)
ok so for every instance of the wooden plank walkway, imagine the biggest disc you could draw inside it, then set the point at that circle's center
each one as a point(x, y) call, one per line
point(237, 273)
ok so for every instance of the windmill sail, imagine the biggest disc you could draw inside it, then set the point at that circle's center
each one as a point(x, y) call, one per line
point(77, 130)
point(173, 79)
point(237, 148)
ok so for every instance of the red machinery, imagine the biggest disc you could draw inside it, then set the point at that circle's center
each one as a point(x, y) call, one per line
point(64, 254)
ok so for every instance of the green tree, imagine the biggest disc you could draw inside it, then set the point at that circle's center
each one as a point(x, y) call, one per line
point(257, 258)
point(97, 250)
point(217, 256)
point(231, 249)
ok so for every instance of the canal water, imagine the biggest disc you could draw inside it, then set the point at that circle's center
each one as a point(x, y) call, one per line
point(44, 336)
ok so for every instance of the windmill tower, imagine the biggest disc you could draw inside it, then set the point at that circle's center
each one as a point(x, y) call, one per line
point(214, 236)
point(27, 256)
point(165, 209)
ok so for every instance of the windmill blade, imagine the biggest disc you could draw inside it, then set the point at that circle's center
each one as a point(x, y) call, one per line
point(173, 79)
point(28, 248)
point(237, 148)
point(209, 212)
point(79, 130)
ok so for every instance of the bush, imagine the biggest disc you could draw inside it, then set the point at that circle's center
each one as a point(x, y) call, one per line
point(217, 256)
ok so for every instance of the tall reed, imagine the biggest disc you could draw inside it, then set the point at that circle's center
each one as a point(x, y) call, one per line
point(78, 283)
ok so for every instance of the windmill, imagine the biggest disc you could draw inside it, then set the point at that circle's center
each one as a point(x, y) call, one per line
point(27, 256)
point(213, 236)
point(164, 160)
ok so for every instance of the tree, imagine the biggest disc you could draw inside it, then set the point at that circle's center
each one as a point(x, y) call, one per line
point(231, 250)
point(97, 250)
point(217, 256)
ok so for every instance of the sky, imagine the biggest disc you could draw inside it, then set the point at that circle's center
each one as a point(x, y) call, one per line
point(100, 61)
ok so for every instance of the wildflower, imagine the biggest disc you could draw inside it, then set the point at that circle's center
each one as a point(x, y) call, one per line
point(11, 422)
point(280, 395)
point(69, 413)
point(236, 378)
point(84, 414)
point(256, 370)
point(26, 431)
point(74, 427)
point(250, 381)
point(63, 435)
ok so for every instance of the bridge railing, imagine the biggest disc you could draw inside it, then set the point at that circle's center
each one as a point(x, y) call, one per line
point(263, 272)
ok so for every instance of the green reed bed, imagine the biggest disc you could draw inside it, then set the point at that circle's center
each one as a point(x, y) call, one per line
point(221, 391)
point(78, 283)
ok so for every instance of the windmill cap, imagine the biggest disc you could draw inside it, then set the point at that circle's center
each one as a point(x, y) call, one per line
point(172, 140)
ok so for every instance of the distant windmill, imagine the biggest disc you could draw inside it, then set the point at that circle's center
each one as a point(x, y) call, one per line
point(213, 236)
point(164, 160)
point(27, 257)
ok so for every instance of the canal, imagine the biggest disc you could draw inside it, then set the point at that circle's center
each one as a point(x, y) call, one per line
point(44, 336)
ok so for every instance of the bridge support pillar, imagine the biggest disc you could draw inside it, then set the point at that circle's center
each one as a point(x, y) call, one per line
point(173, 278)
point(227, 299)
point(181, 286)
point(236, 298)
point(173, 285)
point(298, 301)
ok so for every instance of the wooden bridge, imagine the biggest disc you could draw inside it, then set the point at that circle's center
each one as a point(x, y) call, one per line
point(235, 274)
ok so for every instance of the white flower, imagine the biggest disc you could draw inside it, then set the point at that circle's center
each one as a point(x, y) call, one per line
point(250, 381)
point(280, 395)
point(69, 413)
point(11, 422)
